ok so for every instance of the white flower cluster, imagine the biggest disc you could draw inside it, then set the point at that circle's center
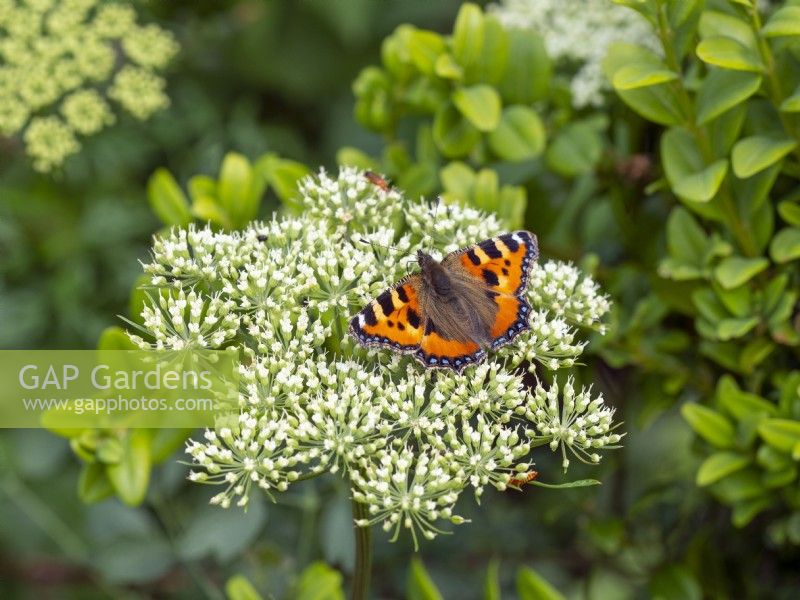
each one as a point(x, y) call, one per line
point(577, 33)
point(311, 400)
point(571, 421)
point(60, 59)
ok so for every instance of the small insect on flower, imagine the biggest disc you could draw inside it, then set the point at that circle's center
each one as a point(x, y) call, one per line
point(452, 311)
point(377, 180)
point(523, 479)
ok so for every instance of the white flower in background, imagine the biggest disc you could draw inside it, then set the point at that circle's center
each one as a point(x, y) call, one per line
point(311, 401)
point(577, 34)
point(57, 60)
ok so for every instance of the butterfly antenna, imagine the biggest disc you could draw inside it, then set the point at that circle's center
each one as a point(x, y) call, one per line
point(371, 243)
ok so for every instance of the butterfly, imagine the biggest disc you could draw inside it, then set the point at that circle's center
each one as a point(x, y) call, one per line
point(448, 314)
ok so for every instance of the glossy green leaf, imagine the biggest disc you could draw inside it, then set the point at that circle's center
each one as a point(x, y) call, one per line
point(736, 270)
point(709, 424)
point(238, 192)
point(792, 103)
point(781, 434)
point(746, 510)
point(467, 40)
point(318, 581)
point(115, 338)
point(420, 586)
point(519, 136)
point(131, 475)
point(784, 22)
point(491, 585)
point(454, 135)
point(447, 68)
point(458, 179)
point(785, 245)
point(686, 240)
point(728, 329)
point(93, 483)
point(756, 153)
point(740, 486)
point(532, 586)
point(721, 90)
point(729, 53)
point(686, 172)
point(742, 405)
point(575, 150)
point(789, 212)
point(480, 104)
point(167, 199)
point(639, 75)
point(657, 103)
point(239, 587)
point(528, 70)
point(493, 60)
point(425, 47)
point(714, 23)
point(675, 582)
point(719, 465)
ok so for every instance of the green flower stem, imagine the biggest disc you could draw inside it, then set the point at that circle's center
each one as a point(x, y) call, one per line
point(363, 568)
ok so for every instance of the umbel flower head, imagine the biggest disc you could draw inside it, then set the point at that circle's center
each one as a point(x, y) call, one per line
point(60, 62)
point(409, 440)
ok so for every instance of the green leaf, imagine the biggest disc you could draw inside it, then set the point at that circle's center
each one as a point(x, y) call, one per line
point(239, 588)
point(729, 329)
point(728, 53)
point(721, 90)
point(93, 483)
point(167, 199)
point(221, 534)
point(115, 338)
point(131, 475)
point(742, 405)
point(675, 582)
point(781, 434)
point(467, 40)
point(734, 271)
point(789, 212)
point(569, 484)
point(715, 24)
point(519, 136)
point(318, 581)
point(425, 47)
point(785, 245)
point(756, 153)
point(686, 240)
point(447, 68)
point(491, 586)
point(710, 425)
point(480, 104)
point(493, 60)
point(785, 22)
point(642, 74)
point(657, 103)
point(532, 586)
point(458, 179)
point(236, 189)
point(686, 172)
point(453, 134)
point(575, 150)
point(719, 465)
point(792, 103)
point(420, 586)
point(746, 510)
point(528, 70)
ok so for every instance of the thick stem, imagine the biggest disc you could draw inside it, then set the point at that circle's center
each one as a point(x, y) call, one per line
point(363, 568)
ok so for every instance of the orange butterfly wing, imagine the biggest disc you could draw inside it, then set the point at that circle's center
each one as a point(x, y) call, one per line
point(438, 352)
point(502, 264)
point(394, 319)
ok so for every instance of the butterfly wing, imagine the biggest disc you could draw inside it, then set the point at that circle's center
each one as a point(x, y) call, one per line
point(502, 265)
point(437, 352)
point(394, 319)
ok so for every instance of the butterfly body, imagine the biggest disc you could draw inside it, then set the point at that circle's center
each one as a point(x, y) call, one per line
point(452, 311)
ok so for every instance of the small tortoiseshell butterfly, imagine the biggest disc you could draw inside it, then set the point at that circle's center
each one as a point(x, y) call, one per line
point(451, 312)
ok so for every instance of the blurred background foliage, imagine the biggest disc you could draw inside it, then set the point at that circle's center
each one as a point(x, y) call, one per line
point(675, 182)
